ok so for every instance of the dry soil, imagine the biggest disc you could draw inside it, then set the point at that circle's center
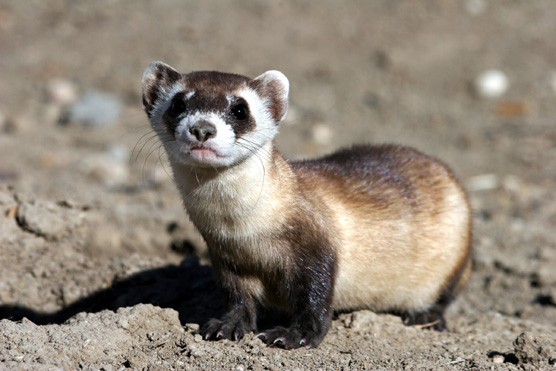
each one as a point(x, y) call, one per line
point(99, 267)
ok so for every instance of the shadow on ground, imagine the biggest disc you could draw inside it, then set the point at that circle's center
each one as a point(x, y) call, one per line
point(188, 288)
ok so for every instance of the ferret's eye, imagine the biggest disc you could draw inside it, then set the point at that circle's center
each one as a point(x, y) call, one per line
point(239, 111)
point(177, 107)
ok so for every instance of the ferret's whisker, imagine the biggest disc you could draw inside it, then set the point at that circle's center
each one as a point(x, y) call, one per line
point(153, 135)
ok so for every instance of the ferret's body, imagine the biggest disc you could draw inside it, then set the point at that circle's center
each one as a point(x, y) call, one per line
point(402, 226)
point(385, 228)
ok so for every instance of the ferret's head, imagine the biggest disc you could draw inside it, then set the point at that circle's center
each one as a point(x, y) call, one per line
point(212, 118)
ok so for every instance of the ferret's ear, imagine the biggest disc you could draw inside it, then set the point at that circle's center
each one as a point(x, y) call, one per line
point(158, 78)
point(274, 87)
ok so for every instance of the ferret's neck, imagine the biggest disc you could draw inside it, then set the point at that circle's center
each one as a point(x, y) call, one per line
point(231, 198)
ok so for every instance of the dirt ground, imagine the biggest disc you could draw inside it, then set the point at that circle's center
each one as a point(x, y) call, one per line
point(98, 266)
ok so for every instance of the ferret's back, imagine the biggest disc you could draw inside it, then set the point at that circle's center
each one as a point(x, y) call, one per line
point(386, 174)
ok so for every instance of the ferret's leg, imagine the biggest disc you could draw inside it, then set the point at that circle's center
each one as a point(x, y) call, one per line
point(240, 317)
point(311, 292)
point(433, 318)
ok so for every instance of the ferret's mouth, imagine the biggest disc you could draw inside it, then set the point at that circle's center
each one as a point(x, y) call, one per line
point(203, 153)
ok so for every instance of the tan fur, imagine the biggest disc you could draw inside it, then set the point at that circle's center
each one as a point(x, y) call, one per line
point(386, 261)
point(390, 262)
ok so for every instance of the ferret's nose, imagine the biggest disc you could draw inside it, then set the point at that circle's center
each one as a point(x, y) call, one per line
point(203, 130)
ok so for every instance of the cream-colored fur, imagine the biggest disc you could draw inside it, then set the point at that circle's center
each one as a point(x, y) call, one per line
point(385, 263)
point(247, 193)
point(239, 203)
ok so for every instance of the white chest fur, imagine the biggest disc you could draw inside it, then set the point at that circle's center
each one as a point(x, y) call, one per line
point(234, 203)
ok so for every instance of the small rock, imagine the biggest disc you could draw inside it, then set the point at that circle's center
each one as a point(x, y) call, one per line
point(192, 326)
point(492, 84)
point(198, 338)
point(499, 358)
point(123, 323)
point(322, 134)
point(483, 182)
point(96, 109)
point(61, 92)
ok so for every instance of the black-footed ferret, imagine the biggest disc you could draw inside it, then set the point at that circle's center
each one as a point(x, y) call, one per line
point(385, 228)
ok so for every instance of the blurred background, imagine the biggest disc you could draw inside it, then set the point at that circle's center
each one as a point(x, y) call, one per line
point(377, 71)
point(84, 182)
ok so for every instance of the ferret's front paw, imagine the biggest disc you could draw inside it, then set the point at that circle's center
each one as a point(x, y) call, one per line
point(290, 338)
point(216, 329)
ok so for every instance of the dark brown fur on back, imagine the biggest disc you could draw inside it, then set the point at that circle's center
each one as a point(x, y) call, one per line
point(380, 176)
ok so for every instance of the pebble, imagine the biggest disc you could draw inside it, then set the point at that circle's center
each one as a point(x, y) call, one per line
point(483, 182)
point(491, 84)
point(61, 92)
point(192, 326)
point(123, 323)
point(322, 134)
point(96, 109)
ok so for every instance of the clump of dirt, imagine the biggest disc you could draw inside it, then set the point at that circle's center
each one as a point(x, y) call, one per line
point(535, 352)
